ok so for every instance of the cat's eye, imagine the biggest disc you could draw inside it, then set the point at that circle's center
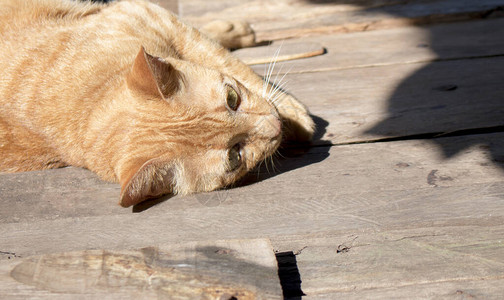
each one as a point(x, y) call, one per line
point(232, 99)
point(234, 157)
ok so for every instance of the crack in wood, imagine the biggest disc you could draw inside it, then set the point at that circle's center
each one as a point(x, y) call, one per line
point(342, 248)
point(388, 64)
point(9, 254)
point(416, 236)
point(288, 272)
point(300, 250)
point(424, 136)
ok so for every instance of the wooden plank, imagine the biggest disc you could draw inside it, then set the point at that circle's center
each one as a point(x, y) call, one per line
point(60, 193)
point(381, 84)
point(378, 220)
point(393, 46)
point(341, 189)
point(476, 159)
point(430, 262)
point(286, 18)
point(365, 104)
point(475, 289)
point(243, 269)
point(171, 5)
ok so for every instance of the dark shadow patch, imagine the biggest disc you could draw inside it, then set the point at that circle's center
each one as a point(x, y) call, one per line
point(145, 205)
point(288, 272)
point(454, 93)
point(320, 128)
point(287, 160)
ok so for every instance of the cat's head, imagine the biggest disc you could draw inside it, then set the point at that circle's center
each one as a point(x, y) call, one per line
point(191, 129)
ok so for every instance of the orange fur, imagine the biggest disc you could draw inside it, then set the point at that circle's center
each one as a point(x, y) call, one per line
point(131, 93)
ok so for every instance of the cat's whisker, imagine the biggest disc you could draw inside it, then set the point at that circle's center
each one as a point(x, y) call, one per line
point(274, 92)
point(267, 69)
point(274, 98)
point(284, 74)
point(258, 173)
point(278, 86)
point(258, 168)
point(277, 82)
point(279, 154)
point(277, 91)
point(275, 88)
point(271, 163)
point(271, 65)
point(265, 163)
point(270, 70)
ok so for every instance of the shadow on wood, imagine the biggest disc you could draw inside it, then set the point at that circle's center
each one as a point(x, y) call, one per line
point(450, 94)
point(290, 279)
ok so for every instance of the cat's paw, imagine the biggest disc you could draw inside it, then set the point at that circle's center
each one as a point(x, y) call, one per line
point(296, 119)
point(230, 34)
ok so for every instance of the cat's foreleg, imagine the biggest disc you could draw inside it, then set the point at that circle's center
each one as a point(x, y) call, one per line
point(230, 34)
point(297, 122)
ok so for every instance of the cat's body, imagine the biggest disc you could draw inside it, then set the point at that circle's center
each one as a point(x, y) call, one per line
point(131, 93)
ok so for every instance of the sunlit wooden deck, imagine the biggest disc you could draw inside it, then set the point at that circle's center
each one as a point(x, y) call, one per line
point(401, 194)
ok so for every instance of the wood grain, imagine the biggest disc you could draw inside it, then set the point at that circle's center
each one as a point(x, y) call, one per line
point(288, 19)
point(171, 5)
point(336, 189)
point(412, 219)
point(392, 83)
point(430, 262)
point(363, 104)
point(396, 46)
point(417, 217)
point(243, 269)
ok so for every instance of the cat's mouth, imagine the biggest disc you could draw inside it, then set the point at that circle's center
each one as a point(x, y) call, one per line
point(274, 129)
point(277, 139)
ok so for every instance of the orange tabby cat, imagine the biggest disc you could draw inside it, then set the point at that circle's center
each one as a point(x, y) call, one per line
point(130, 92)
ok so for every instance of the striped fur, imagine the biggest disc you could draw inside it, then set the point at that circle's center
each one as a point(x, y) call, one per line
point(77, 88)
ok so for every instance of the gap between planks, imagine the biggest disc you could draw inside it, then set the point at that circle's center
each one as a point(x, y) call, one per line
point(262, 61)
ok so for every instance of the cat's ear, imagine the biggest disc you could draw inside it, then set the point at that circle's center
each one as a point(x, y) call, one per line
point(154, 76)
point(142, 181)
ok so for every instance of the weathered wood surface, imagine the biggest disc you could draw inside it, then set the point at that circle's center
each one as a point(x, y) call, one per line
point(243, 269)
point(440, 219)
point(287, 18)
point(403, 88)
point(403, 100)
point(419, 218)
point(404, 45)
point(171, 5)
point(434, 262)
point(405, 184)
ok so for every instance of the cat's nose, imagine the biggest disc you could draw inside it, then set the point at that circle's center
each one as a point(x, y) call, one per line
point(277, 128)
